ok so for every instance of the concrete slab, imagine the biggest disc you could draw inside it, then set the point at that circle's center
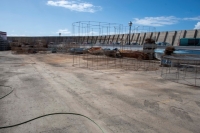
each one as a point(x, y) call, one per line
point(118, 100)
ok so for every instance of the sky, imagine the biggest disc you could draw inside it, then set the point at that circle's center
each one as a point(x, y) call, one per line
point(96, 17)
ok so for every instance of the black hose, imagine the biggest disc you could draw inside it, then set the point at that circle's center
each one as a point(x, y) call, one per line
point(7, 93)
point(52, 114)
point(44, 115)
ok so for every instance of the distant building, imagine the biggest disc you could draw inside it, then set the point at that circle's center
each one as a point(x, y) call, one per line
point(3, 35)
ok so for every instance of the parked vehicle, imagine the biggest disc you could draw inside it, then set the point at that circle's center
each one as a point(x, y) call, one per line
point(163, 44)
point(135, 44)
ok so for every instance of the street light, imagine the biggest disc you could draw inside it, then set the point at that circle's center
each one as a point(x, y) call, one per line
point(59, 37)
point(130, 24)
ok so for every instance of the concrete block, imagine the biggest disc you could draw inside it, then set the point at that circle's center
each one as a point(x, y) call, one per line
point(161, 37)
point(198, 34)
point(111, 38)
point(135, 38)
point(120, 39)
point(180, 34)
point(170, 37)
point(190, 34)
point(107, 37)
point(90, 39)
point(154, 35)
point(132, 35)
point(101, 39)
point(94, 39)
point(98, 39)
point(82, 40)
point(148, 35)
point(115, 39)
point(141, 38)
point(126, 38)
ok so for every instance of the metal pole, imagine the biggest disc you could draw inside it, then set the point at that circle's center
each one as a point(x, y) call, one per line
point(130, 36)
point(130, 24)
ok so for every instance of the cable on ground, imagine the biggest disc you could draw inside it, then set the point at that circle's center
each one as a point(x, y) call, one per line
point(52, 114)
point(7, 93)
point(44, 115)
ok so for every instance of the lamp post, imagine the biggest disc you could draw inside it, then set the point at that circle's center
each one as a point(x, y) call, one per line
point(59, 37)
point(130, 24)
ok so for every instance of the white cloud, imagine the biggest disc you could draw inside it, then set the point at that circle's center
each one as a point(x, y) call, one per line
point(74, 5)
point(63, 31)
point(197, 26)
point(193, 19)
point(156, 21)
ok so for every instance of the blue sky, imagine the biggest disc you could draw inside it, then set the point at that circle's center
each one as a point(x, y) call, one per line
point(51, 17)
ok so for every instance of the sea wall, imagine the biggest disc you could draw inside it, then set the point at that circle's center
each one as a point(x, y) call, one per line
point(171, 37)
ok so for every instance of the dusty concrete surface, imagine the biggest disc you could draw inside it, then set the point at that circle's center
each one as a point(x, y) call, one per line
point(119, 101)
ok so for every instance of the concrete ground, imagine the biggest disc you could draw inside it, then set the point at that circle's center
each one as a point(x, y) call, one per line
point(118, 101)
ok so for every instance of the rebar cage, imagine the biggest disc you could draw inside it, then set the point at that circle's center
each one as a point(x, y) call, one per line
point(108, 36)
point(184, 69)
point(100, 62)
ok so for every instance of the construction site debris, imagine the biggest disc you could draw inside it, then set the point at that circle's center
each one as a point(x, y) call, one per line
point(149, 47)
point(169, 50)
point(134, 54)
point(149, 40)
point(78, 50)
point(96, 51)
point(112, 53)
point(28, 47)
